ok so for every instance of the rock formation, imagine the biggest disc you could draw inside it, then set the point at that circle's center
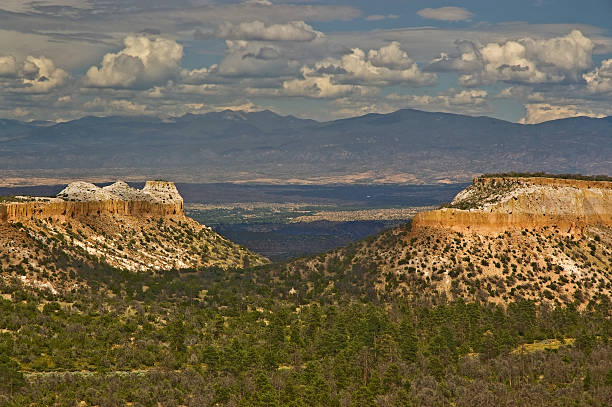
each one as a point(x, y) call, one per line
point(494, 205)
point(156, 199)
point(119, 226)
point(500, 240)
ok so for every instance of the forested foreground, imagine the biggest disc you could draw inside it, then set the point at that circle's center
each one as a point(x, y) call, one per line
point(239, 338)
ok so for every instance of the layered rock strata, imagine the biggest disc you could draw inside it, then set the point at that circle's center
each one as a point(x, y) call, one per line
point(494, 205)
point(156, 199)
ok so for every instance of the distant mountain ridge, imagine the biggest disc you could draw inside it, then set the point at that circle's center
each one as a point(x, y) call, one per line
point(403, 146)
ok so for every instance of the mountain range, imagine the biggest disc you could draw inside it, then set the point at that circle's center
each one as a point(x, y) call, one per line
point(406, 146)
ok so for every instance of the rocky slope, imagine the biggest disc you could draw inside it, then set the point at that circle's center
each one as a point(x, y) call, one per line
point(43, 240)
point(505, 247)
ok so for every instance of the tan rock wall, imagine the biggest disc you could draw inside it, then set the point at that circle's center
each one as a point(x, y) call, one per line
point(460, 220)
point(564, 204)
point(63, 210)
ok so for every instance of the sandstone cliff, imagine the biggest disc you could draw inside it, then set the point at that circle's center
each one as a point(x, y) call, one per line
point(500, 240)
point(493, 205)
point(156, 199)
point(119, 226)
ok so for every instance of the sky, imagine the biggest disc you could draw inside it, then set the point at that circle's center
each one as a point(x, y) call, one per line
point(524, 61)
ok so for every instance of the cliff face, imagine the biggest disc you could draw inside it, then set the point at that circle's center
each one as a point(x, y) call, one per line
point(157, 199)
point(62, 211)
point(494, 205)
point(42, 240)
point(500, 240)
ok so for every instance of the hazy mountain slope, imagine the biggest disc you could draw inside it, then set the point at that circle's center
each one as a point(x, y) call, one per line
point(410, 144)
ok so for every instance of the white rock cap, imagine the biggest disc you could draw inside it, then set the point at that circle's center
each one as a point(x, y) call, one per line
point(154, 191)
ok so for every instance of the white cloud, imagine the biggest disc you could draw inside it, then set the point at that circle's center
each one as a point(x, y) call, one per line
point(120, 106)
point(446, 13)
point(570, 54)
point(259, 2)
point(390, 56)
point(469, 59)
point(62, 100)
point(319, 87)
point(8, 66)
point(380, 17)
point(600, 79)
point(526, 60)
point(358, 73)
point(383, 66)
point(40, 75)
point(543, 112)
point(197, 76)
point(258, 31)
point(143, 62)
point(252, 59)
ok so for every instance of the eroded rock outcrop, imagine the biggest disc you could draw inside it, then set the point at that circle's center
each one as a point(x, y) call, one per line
point(118, 226)
point(156, 199)
point(493, 205)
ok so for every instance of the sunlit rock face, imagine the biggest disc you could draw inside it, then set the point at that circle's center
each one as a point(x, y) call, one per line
point(495, 205)
point(156, 199)
point(123, 227)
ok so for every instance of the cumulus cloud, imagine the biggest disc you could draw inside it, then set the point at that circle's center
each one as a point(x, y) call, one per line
point(197, 76)
point(8, 66)
point(386, 65)
point(526, 60)
point(600, 79)
point(377, 67)
point(358, 72)
point(390, 56)
point(446, 14)
point(40, 75)
point(265, 53)
point(143, 62)
point(258, 31)
point(469, 59)
point(259, 2)
point(252, 59)
point(322, 87)
point(543, 112)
